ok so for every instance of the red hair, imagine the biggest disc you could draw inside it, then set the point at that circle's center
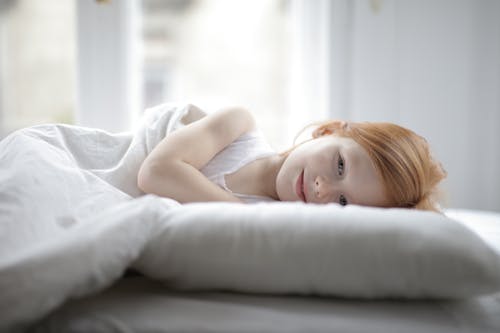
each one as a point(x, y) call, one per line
point(401, 157)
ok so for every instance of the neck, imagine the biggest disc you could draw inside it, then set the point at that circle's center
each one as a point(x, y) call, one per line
point(267, 175)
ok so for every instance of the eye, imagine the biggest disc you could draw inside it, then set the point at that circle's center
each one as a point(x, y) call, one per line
point(340, 165)
point(342, 200)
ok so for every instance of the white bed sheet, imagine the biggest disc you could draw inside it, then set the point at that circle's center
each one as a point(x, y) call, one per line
point(138, 304)
point(141, 305)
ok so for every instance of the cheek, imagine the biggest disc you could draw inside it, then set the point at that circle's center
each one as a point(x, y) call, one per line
point(280, 188)
point(296, 159)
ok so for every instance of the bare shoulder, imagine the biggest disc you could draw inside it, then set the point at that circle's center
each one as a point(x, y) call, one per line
point(193, 114)
point(234, 116)
point(223, 126)
point(202, 138)
point(227, 116)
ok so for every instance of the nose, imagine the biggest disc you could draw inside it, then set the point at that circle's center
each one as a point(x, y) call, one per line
point(322, 189)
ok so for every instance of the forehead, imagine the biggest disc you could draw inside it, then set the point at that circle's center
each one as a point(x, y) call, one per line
point(340, 142)
point(329, 142)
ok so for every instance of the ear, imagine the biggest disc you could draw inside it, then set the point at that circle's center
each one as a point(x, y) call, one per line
point(331, 127)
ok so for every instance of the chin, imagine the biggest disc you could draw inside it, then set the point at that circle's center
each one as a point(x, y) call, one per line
point(285, 189)
point(285, 196)
point(282, 195)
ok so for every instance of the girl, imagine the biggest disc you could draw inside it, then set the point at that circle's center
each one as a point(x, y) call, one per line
point(222, 157)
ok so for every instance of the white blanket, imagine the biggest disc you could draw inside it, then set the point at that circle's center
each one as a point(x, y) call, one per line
point(68, 224)
point(72, 220)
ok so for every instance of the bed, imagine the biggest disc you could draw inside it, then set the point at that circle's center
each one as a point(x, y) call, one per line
point(138, 304)
point(83, 250)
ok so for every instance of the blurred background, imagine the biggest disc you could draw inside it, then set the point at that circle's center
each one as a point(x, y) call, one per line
point(430, 65)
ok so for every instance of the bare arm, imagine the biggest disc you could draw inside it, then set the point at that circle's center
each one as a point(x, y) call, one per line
point(172, 168)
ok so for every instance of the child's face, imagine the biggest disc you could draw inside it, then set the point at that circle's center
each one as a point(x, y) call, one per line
point(330, 169)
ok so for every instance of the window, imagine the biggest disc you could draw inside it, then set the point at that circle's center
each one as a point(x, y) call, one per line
point(219, 52)
point(37, 63)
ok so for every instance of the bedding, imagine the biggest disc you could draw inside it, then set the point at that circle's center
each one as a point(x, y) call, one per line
point(298, 248)
point(139, 304)
point(72, 220)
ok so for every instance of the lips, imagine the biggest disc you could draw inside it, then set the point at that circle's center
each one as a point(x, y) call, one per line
point(299, 187)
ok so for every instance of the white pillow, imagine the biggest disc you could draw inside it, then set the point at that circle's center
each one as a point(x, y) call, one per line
point(296, 248)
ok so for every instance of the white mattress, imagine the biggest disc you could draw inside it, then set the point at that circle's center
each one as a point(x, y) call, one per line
point(137, 304)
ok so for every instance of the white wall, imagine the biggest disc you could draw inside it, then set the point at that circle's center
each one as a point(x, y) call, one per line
point(430, 65)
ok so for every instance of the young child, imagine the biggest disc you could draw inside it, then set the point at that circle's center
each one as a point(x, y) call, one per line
point(223, 157)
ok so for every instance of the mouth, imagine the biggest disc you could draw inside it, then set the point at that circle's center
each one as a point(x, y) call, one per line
point(299, 187)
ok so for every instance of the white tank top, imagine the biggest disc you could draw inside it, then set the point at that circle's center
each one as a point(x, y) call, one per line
point(247, 148)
